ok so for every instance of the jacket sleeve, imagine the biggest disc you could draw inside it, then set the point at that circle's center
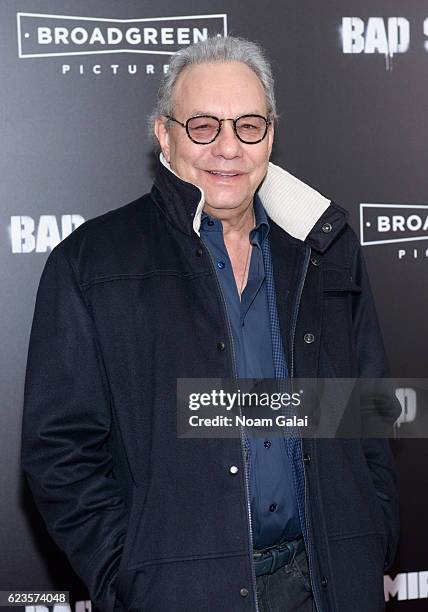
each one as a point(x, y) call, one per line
point(66, 426)
point(372, 364)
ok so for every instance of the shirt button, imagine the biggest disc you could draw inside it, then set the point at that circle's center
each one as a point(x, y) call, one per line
point(309, 338)
point(221, 346)
point(272, 507)
point(324, 581)
point(220, 264)
point(306, 459)
point(267, 444)
point(326, 228)
point(243, 592)
point(233, 469)
point(210, 222)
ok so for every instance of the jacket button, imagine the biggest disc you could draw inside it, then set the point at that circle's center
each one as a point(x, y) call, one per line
point(221, 346)
point(272, 507)
point(199, 252)
point(315, 261)
point(233, 469)
point(306, 459)
point(309, 338)
point(243, 592)
point(324, 581)
point(326, 228)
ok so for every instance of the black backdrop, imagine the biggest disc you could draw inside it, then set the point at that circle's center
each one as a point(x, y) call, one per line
point(352, 97)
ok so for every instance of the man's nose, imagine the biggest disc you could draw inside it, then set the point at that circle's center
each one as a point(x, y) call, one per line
point(227, 143)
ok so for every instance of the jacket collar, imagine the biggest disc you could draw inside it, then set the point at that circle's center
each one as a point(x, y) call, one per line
point(297, 208)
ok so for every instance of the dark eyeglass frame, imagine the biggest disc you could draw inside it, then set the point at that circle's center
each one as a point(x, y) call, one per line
point(220, 121)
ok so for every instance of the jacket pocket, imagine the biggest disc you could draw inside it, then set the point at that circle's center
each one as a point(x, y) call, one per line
point(337, 341)
point(338, 282)
point(357, 568)
point(135, 514)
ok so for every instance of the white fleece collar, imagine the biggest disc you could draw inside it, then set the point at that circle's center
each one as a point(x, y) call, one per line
point(292, 204)
point(289, 202)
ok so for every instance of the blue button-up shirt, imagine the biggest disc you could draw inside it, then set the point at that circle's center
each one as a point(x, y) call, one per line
point(273, 501)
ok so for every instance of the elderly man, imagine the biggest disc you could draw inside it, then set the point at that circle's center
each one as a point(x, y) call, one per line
point(229, 267)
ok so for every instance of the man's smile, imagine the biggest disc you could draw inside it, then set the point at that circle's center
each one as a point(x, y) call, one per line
point(227, 176)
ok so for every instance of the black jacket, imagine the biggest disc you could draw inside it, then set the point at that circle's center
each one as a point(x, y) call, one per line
point(127, 304)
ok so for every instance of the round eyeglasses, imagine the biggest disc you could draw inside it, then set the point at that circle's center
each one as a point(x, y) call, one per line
point(204, 129)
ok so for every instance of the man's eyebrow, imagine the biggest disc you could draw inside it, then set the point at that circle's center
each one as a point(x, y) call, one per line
point(207, 112)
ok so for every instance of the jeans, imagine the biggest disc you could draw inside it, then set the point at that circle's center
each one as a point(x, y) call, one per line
point(288, 589)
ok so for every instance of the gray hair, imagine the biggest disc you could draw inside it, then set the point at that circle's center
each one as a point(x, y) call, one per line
point(212, 50)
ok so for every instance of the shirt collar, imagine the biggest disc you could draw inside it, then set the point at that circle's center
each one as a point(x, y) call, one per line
point(261, 228)
point(257, 234)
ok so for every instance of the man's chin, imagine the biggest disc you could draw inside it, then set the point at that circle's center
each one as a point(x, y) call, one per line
point(226, 200)
point(223, 207)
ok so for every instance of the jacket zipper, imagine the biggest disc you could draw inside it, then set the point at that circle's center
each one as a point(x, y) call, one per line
point(296, 308)
point(293, 333)
point(244, 461)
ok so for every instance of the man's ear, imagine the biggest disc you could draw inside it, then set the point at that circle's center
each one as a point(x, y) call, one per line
point(162, 135)
point(270, 136)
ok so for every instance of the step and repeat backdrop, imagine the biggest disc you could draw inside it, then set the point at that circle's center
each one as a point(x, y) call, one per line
point(77, 82)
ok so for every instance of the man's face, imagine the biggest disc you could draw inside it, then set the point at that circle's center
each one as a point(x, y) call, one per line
point(225, 90)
